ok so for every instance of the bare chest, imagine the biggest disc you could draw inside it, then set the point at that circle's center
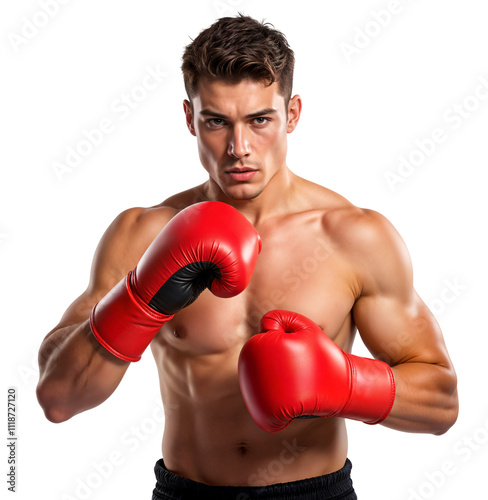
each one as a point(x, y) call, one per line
point(297, 271)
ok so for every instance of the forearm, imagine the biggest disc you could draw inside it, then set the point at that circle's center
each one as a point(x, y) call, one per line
point(76, 372)
point(426, 398)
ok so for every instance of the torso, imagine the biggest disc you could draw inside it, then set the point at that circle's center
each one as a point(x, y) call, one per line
point(209, 436)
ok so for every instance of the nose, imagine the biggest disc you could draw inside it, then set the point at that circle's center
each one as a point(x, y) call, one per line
point(239, 145)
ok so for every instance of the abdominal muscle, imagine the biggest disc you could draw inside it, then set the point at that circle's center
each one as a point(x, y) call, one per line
point(210, 437)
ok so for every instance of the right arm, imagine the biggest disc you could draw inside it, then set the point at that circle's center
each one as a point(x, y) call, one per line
point(207, 245)
point(76, 372)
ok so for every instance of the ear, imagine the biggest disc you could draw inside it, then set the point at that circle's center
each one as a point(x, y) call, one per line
point(189, 116)
point(294, 112)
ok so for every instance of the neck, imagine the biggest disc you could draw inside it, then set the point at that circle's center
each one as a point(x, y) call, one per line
point(276, 198)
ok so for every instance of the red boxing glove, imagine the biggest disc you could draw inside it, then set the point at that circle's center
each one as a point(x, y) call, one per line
point(292, 369)
point(207, 245)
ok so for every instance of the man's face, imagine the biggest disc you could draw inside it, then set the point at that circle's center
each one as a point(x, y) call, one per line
point(241, 131)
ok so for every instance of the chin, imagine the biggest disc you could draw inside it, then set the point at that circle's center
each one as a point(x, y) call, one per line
point(243, 194)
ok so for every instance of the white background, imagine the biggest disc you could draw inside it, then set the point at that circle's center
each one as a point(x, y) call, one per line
point(64, 73)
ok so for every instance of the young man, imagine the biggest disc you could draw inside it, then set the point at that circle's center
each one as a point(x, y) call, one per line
point(194, 276)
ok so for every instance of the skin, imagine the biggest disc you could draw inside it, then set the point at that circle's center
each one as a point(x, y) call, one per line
point(345, 268)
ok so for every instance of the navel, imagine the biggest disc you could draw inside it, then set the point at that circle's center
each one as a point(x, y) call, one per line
point(242, 449)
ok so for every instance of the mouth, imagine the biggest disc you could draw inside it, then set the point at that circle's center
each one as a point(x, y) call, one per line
point(241, 173)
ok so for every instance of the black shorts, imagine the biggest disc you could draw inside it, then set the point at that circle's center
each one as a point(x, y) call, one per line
point(334, 486)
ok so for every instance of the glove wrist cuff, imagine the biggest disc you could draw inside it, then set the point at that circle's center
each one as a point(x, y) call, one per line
point(123, 323)
point(372, 390)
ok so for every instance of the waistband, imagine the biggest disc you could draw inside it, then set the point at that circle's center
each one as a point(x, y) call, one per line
point(334, 486)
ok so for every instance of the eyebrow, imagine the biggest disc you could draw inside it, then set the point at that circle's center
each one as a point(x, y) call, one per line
point(261, 112)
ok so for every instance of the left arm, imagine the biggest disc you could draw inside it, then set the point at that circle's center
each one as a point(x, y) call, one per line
point(398, 328)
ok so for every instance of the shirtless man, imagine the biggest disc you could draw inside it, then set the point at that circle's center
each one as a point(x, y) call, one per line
point(325, 265)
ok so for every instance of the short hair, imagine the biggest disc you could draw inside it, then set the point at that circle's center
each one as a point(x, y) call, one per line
point(237, 48)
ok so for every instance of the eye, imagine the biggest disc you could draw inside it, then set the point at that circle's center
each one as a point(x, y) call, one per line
point(215, 122)
point(261, 120)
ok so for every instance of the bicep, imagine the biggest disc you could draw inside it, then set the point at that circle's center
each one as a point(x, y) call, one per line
point(114, 257)
point(118, 252)
point(393, 321)
point(398, 330)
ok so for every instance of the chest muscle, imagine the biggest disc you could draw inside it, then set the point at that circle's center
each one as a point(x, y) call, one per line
point(305, 275)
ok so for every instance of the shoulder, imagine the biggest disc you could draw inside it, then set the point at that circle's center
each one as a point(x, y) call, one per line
point(130, 234)
point(367, 240)
point(136, 227)
point(142, 224)
point(360, 227)
point(348, 225)
point(123, 244)
point(375, 248)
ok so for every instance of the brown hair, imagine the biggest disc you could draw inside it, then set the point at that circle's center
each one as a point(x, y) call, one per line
point(237, 48)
